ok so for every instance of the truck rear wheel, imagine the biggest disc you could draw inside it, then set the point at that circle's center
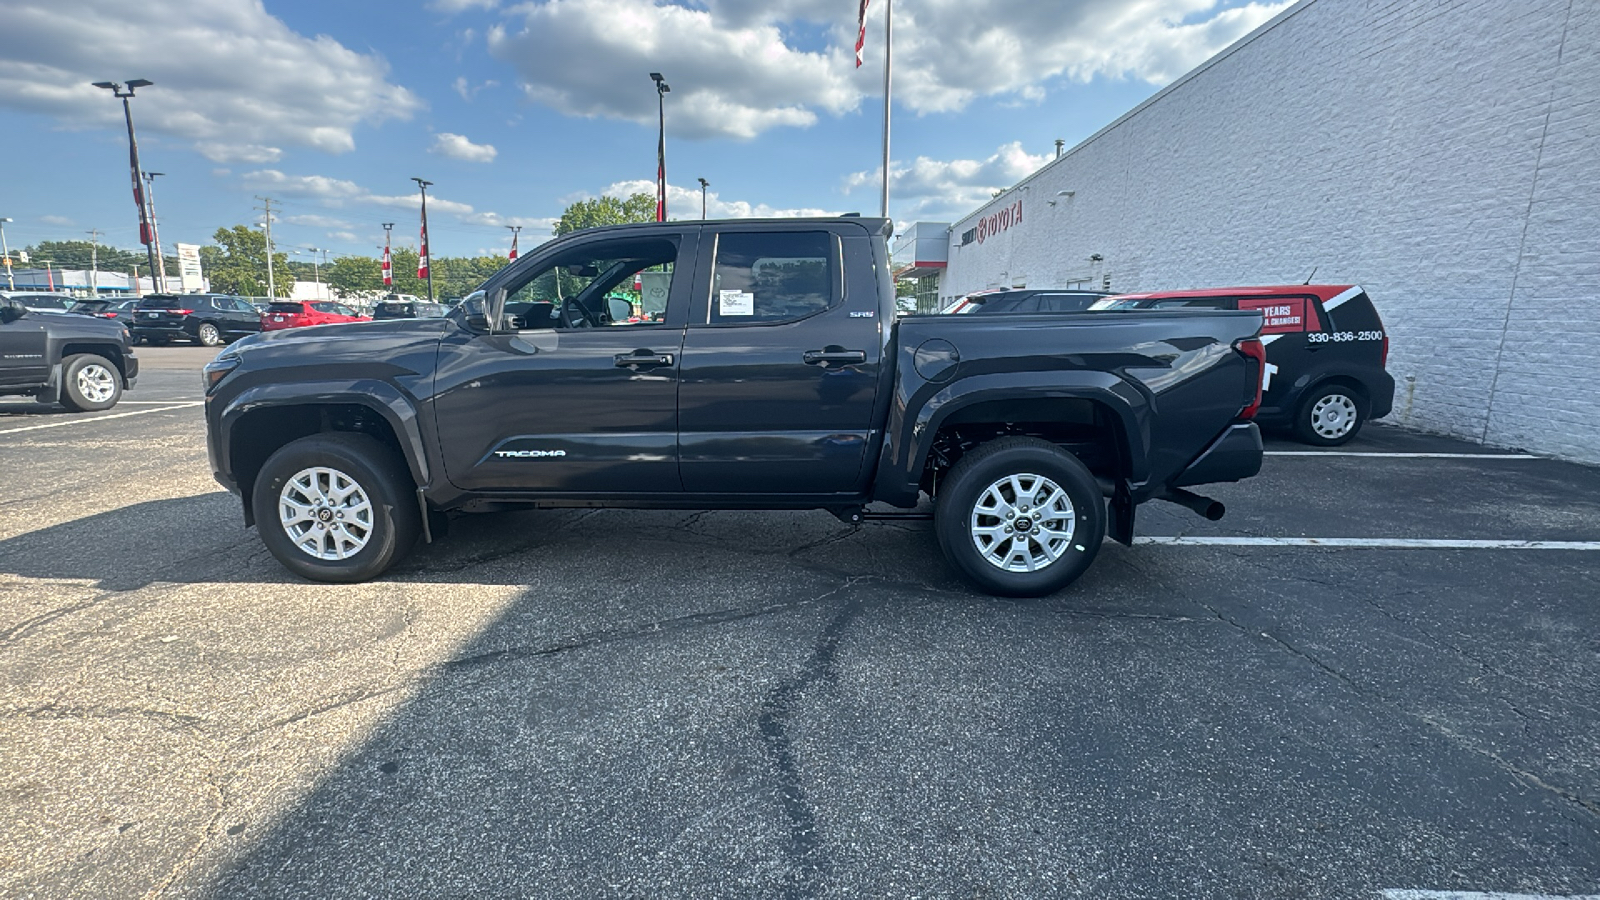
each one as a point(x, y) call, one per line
point(1020, 517)
point(336, 507)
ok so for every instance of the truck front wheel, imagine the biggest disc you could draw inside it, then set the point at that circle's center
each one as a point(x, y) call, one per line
point(1020, 517)
point(336, 507)
point(89, 383)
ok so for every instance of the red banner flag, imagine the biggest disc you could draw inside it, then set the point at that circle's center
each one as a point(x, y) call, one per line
point(861, 35)
point(422, 258)
point(138, 193)
point(388, 272)
point(513, 254)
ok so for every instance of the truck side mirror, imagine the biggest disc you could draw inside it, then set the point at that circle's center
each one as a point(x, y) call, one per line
point(475, 312)
point(619, 309)
point(9, 313)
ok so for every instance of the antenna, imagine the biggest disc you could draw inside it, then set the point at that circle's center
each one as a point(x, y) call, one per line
point(1311, 276)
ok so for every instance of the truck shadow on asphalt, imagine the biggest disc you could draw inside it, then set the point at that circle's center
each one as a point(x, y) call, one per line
point(202, 539)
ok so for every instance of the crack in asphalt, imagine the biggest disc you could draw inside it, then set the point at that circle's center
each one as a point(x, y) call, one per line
point(192, 855)
point(172, 718)
point(808, 869)
point(611, 635)
point(849, 531)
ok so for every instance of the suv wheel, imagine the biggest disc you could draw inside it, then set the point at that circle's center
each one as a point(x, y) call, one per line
point(90, 382)
point(209, 335)
point(336, 507)
point(1020, 517)
point(1330, 416)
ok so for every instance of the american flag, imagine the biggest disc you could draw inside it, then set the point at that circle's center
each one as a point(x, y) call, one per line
point(861, 35)
point(513, 254)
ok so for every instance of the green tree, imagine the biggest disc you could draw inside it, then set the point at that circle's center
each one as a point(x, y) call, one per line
point(352, 276)
point(606, 211)
point(237, 264)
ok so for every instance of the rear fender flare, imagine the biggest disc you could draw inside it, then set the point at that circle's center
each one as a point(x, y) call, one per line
point(1129, 406)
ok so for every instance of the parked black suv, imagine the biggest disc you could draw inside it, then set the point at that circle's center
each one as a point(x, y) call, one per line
point(1326, 353)
point(209, 319)
point(408, 309)
point(83, 362)
point(1032, 300)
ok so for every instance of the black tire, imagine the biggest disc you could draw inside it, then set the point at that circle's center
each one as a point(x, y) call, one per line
point(987, 466)
point(208, 335)
point(1330, 415)
point(89, 383)
point(378, 472)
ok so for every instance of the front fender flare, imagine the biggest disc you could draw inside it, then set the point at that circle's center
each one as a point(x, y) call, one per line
point(395, 406)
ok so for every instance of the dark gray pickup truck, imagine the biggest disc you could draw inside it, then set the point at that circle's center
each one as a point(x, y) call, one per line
point(82, 362)
point(739, 364)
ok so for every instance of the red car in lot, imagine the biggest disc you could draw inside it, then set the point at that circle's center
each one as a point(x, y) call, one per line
point(295, 314)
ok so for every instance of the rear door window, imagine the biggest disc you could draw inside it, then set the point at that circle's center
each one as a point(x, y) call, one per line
point(771, 276)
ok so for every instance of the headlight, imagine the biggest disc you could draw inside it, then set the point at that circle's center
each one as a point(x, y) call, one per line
point(216, 370)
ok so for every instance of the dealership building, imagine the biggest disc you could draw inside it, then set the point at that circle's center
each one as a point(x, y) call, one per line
point(1445, 154)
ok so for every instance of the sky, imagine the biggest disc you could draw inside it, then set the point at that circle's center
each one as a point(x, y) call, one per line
point(515, 110)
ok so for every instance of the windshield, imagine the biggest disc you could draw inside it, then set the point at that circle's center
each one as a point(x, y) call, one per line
point(286, 307)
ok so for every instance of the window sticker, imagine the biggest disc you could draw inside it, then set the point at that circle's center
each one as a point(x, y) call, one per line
point(736, 303)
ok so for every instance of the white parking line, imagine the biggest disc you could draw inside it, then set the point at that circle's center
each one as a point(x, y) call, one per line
point(1410, 894)
point(1367, 543)
point(141, 412)
point(157, 402)
point(1401, 455)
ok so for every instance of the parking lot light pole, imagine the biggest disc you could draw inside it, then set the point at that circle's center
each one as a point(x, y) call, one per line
point(703, 185)
point(661, 146)
point(11, 285)
point(155, 228)
point(146, 232)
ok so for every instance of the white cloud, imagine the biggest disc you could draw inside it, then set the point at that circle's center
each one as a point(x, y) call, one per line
point(468, 90)
point(230, 77)
point(738, 69)
point(57, 220)
point(931, 188)
point(458, 146)
point(339, 193)
point(218, 151)
point(726, 82)
point(684, 203)
point(451, 7)
point(315, 221)
point(348, 236)
point(495, 220)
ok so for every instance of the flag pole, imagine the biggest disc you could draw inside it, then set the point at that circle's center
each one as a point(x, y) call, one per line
point(888, 49)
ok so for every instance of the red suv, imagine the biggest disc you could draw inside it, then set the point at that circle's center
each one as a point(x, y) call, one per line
point(294, 314)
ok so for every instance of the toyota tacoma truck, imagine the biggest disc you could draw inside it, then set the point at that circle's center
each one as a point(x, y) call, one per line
point(732, 365)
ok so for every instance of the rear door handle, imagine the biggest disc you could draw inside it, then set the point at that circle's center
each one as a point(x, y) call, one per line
point(823, 357)
point(642, 359)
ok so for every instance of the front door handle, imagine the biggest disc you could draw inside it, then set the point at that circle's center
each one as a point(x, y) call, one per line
point(641, 359)
point(843, 357)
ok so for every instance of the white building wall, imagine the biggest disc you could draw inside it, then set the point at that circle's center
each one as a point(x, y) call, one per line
point(1443, 153)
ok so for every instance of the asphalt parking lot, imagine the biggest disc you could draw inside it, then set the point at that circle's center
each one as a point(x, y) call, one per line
point(641, 704)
